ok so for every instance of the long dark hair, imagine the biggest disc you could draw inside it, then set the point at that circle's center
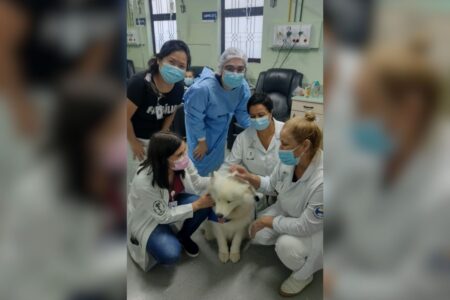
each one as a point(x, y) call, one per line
point(82, 108)
point(166, 49)
point(162, 145)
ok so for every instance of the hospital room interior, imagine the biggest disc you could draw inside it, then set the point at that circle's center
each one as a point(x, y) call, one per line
point(279, 43)
point(224, 149)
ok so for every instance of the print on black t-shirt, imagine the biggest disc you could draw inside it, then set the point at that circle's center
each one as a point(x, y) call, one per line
point(144, 120)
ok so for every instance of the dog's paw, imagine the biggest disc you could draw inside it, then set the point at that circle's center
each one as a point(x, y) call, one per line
point(235, 257)
point(224, 256)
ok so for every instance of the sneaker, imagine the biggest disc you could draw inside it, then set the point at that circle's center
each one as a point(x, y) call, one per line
point(190, 247)
point(292, 286)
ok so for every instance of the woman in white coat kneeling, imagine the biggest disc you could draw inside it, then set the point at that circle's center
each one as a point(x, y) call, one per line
point(294, 224)
point(164, 191)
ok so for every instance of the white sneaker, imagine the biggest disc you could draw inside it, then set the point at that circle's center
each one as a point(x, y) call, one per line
point(292, 286)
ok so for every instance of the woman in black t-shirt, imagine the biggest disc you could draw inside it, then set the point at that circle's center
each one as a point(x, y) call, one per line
point(153, 95)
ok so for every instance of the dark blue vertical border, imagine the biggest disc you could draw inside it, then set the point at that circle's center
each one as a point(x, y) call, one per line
point(222, 26)
point(152, 25)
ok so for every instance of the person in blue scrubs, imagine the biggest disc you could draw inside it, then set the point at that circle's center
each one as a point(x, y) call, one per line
point(209, 106)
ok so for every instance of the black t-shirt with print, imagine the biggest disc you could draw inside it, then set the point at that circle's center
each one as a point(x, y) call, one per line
point(144, 120)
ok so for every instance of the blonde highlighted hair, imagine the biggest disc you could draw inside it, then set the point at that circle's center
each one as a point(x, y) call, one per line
point(305, 128)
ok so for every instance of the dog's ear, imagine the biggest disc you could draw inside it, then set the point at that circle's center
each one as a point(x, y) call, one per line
point(252, 190)
point(233, 174)
point(240, 180)
point(216, 174)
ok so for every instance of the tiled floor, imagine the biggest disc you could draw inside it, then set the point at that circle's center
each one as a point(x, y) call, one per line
point(257, 276)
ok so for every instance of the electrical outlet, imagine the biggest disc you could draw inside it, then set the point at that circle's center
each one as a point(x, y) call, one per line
point(133, 38)
point(292, 36)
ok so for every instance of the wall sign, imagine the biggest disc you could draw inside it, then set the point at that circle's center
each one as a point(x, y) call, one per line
point(140, 21)
point(209, 16)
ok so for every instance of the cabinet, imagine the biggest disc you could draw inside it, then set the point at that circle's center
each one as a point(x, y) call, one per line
point(302, 105)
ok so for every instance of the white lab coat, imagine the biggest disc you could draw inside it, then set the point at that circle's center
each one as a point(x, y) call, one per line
point(249, 152)
point(394, 241)
point(50, 235)
point(299, 209)
point(148, 207)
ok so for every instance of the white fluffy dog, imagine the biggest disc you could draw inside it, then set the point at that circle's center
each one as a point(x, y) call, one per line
point(235, 209)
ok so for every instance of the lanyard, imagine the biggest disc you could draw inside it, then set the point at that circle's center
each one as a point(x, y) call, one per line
point(148, 78)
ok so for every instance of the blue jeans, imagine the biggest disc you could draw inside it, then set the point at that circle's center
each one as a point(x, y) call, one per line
point(164, 245)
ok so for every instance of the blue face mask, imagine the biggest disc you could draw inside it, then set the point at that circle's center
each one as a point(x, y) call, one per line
point(371, 137)
point(232, 80)
point(287, 157)
point(188, 81)
point(171, 74)
point(260, 123)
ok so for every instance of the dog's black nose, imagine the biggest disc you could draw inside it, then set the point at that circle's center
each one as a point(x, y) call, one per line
point(219, 216)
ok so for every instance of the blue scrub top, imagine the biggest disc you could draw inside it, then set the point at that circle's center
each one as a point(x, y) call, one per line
point(209, 109)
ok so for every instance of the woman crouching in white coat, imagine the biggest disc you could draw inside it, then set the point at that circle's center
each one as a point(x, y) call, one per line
point(164, 191)
point(294, 224)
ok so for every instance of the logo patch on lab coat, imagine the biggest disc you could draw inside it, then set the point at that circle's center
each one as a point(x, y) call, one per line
point(318, 212)
point(159, 208)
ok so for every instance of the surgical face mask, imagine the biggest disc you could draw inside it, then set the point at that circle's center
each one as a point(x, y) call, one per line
point(188, 81)
point(181, 163)
point(171, 74)
point(370, 136)
point(287, 157)
point(260, 123)
point(232, 80)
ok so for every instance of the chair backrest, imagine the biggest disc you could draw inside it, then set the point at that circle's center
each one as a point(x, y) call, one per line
point(130, 69)
point(279, 84)
point(198, 69)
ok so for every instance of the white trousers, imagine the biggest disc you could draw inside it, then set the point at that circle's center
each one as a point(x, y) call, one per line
point(303, 255)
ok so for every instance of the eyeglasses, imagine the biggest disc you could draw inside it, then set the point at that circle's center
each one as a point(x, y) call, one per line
point(239, 69)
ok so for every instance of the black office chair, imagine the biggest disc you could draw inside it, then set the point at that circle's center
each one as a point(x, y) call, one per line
point(130, 69)
point(279, 84)
point(197, 70)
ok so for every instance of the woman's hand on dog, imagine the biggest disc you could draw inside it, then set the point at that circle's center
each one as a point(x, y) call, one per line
point(204, 201)
point(261, 223)
point(242, 173)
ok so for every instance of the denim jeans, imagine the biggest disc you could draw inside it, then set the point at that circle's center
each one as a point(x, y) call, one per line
point(163, 244)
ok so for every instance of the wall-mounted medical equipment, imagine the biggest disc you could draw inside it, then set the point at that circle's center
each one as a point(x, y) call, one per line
point(296, 36)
